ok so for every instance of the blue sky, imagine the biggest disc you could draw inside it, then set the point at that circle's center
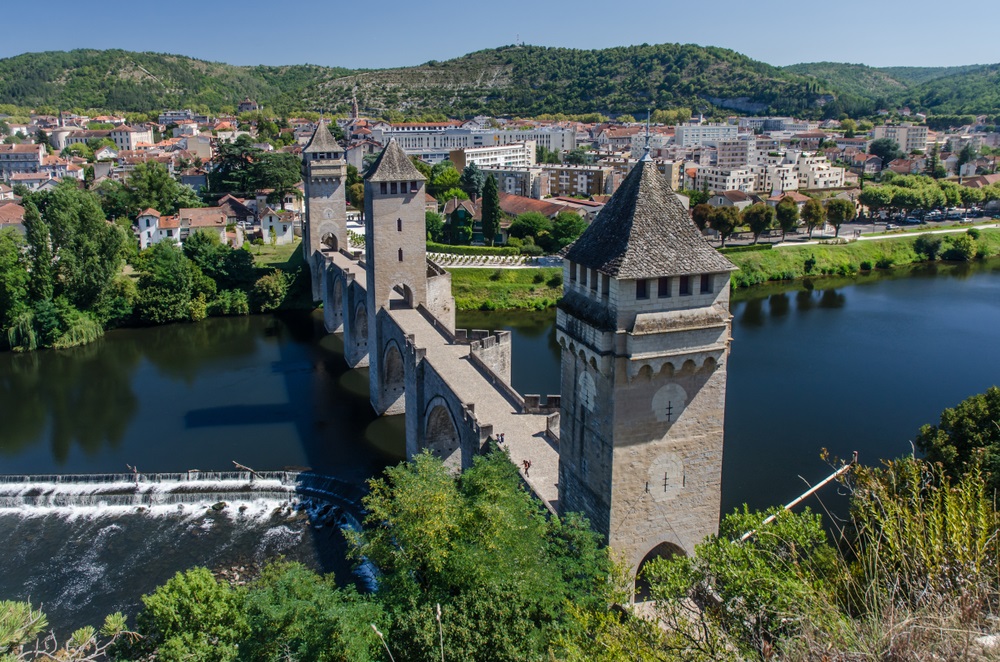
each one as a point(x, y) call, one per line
point(396, 33)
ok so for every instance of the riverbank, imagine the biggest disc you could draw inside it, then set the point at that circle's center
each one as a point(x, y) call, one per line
point(536, 289)
point(795, 262)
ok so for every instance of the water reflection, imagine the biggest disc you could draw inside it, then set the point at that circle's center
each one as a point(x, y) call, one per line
point(778, 304)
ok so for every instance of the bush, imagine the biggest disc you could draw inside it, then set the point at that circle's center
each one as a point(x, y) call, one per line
point(746, 249)
point(230, 302)
point(470, 250)
point(532, 250)
point(884, 262)
point(974, 233)
point(963, 249)
point(866, 265)
point(538, 278)
point(269, 291)
point(555, 281)
point(928, 246)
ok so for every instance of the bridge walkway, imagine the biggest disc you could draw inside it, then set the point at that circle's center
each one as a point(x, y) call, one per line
point(524, 434)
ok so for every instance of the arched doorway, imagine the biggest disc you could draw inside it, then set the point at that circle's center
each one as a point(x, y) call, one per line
point(441, 435)
point(330, 242)
point(401, 297)
point(393, 375)
point(665, 550)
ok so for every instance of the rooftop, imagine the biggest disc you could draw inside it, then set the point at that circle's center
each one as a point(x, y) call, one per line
point(645, 232)
point(393, 165)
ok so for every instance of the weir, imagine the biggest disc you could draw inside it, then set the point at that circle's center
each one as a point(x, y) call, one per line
point(130, 489)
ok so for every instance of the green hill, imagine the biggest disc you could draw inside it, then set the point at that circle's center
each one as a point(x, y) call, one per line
point(972, 92)
point(126, 81)
point(856, 79)
point(918, 75)
point(519, 80)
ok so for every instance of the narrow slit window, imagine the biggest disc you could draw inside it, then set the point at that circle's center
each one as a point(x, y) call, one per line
point(413, 187)
point(572, 271)
point(393, 188)
point(383, 187)
point(706, 283)
point(593, 280)
point(685, 285)
point(605, 284)
point(583, 275)
point(641, 289)
point(663, 287)
point(400, 254)
point(399, 225)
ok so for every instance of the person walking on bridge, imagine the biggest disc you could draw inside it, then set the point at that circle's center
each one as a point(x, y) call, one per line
point(527, 466)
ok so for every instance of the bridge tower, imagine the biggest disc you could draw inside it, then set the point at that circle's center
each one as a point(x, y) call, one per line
point(324, 174)
point(396, 266)
point(644, 326)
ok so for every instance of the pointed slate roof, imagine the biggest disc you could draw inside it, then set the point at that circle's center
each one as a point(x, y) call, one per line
point(645, 232)
point(393, 165)
point(322, 140)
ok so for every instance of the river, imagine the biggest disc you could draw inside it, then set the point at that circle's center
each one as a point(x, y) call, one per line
point(839, 364)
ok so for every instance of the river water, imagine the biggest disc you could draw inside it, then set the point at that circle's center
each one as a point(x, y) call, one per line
point(839, 364)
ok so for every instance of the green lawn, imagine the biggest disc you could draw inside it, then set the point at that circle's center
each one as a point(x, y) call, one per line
point(506, 289)
point(276, 257)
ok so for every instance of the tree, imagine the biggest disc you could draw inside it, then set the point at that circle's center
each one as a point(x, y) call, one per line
point(356, 195)
point(478, 545)
point(577, 156)
point(787, 213)
point(472, 181)
point(444, 179)
point(490, 209)
point(151, 186)
point(967, 154)
point(566, 227)
point(813, 215)
point(724, 220)
point(269, 291)
point(166, 283)
point(876, 198)
point(435, 226)
point(838, 212)
point(626, 119)
point(850, 127)
point(760, 217)
point(963, 431)
point(886, 149)
point(278, 171)
point(529, 224)
point(40, 252)
point(700, 214)
point(422, 167)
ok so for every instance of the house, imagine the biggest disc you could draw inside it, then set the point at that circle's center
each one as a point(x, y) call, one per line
point(738, 199)
point(105, 153)
point(33, 180)
point(796, 197)
point(279, 224)
point(20, 159)
point(6, 192)
point(235, 210)
point(515, 205)
point(11, 216)
point(154, 227)
point(869, 164)
point(248, 105)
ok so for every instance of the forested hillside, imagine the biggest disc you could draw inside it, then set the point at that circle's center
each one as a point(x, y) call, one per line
point(126, 81)
point(512, 80)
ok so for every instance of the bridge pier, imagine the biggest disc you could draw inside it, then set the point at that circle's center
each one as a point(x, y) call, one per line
point(333, 298)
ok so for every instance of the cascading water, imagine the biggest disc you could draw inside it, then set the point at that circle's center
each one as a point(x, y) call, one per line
point(92, 543)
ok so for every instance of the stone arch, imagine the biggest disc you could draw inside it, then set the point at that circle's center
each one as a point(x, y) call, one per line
point(709, 364)
point(689, 367)
point(401, 290)
point(441, 434)
point(393, 370)
point(361, 325)
point(330, 242)
point(665, 550)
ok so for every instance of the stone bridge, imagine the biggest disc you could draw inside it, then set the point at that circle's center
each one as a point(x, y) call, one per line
point(452, 386)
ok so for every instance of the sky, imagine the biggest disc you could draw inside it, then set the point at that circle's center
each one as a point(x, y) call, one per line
point(394, 33)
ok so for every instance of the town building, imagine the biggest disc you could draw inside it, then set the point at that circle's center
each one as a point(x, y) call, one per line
point(23, 158)
point(514, 155)
point(693, 135)
point(279, 224)
point(909, 137)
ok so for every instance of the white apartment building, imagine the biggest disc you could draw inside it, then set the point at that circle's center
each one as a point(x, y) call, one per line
point(775, 178)
point(692, 135)
point(815, 171)
point(525, 182)
point(736, 153)
point(716, 179)
point(433, 141)
point(908, 136)
point(514, 155)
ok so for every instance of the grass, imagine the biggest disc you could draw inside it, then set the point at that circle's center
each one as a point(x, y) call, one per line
point(506, 289)
point(840, 260)
point(277, 257)
point(922, 228)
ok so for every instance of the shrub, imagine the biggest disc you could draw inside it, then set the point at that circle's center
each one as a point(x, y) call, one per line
point(555, 281)
point(532, 250)
point(974, 233)
point(470, 250)
point(269, 291)
point(866, 265)
point(746, 249)
point(928, 246)
point(963, 249)
point(538, 278)
point(884, 262)
point(230, 302)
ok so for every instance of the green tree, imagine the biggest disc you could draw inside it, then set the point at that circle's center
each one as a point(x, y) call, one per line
point(423, 167)
point(813, 215)
point(490, 210)
point(472, 181)
point(151, 186)
point(876, 198)
point(966, 154)
point(566, 227)
point(529, 224)
point(787, 213)
point(886, 149)
point(435, 226)
point(269, 291)
point(724, 220)
point(700, 214)
point(42, 285)
point(192, 616)
point(356, 195)
point(578, 156)
point(278, 172)
point(480, 546)
point(14, 278)
point(850, 128)
point(166, 284)
point(838, 212)
point(760, 218)
point(444, 177)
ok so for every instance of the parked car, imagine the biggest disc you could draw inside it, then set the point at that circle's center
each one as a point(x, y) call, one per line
point(891, 226)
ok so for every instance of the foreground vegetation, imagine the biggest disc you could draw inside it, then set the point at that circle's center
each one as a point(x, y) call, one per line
point(472, 567)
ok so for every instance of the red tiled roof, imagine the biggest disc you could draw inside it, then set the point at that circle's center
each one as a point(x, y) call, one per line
point(150, 212)
point(11, 213)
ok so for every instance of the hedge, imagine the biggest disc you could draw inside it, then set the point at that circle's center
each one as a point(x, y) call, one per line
point(470, 250)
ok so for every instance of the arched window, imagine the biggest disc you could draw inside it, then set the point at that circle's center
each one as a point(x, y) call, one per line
point(400, 254)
